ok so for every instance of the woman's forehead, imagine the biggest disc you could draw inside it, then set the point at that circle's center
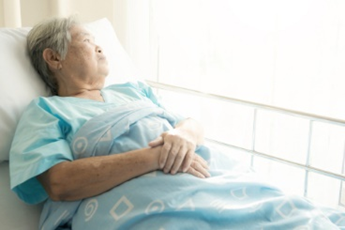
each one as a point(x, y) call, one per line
point(79, 31)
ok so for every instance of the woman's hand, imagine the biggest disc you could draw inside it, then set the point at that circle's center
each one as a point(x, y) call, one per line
point(177, 151)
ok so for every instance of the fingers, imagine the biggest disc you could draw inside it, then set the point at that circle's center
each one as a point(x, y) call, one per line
point(202, 161)
point(177, 154)
point(188, 160)
point(174, 152)
point(174, 158)
point(197, 166)
point(194, 172)
point(164, 155)
point(156, 142)
point(179, 159)
point(201, 165)
point(197, 169)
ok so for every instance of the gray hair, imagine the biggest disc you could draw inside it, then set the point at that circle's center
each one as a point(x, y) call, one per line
point(54, 34)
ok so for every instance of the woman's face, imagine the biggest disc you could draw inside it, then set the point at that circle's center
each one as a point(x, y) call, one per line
point(85, 61)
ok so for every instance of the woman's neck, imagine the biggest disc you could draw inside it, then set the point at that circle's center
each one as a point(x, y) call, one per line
point(73, 86)
point(91, 94)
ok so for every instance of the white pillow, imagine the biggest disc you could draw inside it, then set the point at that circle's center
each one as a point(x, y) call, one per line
point(19, 83)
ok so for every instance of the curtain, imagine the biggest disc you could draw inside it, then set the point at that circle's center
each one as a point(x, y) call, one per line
point(12, 14)
point(26, 13)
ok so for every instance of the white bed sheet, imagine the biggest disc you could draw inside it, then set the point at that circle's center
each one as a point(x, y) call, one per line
point(14, 214)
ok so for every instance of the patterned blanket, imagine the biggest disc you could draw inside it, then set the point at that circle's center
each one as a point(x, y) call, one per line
point(229, 199)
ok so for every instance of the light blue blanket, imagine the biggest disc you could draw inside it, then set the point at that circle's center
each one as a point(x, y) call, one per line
point(229, 199)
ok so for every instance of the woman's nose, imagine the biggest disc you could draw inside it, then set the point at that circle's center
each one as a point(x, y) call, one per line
point(99, 49)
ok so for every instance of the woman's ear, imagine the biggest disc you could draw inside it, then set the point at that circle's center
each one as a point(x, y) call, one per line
point(52, 59)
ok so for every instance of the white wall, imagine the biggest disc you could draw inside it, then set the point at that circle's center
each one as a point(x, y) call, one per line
point(33, 11)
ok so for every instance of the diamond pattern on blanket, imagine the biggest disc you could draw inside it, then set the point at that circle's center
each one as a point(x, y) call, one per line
point(286, 208)
point(121, 208)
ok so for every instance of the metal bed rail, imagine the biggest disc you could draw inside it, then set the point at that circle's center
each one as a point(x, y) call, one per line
point(258, 106)
point(295, 113)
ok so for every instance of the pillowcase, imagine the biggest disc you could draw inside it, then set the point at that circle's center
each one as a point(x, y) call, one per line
point(19, 82)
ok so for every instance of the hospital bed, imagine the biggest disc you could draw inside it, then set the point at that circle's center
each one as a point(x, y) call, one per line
point(20, 84)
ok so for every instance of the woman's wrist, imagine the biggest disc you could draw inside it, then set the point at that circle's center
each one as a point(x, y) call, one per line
point(154, 153)
point(192, 130)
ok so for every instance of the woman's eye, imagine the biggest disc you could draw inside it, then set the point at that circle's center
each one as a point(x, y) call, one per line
point(86, 40)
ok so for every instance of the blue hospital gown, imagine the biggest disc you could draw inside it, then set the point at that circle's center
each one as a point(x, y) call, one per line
point(46, 128)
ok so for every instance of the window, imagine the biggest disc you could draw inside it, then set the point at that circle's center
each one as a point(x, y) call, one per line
point(289, 54)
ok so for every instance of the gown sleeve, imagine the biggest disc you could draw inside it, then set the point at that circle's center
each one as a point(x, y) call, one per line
point(39, 143)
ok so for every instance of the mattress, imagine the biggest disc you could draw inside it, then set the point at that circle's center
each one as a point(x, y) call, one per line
point(14, 214)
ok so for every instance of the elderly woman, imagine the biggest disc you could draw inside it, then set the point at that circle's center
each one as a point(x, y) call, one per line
point(88, 151)
point(74, 68)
